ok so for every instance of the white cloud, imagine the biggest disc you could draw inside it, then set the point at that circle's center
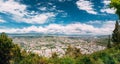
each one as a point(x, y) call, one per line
point(106, 2)
point(94, 22)
point(12, 7)
point(20, 14)
point(86, 5)
point(77, 28)
point(37, 19)
point(61, 0)
point(64, 0)
point(43, 8)
point(1, 20)
point(108, 10)
point(106, 7)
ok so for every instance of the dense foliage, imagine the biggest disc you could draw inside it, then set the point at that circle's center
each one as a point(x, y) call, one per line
point(8, 50)
point(116, 5)
point(116, 33)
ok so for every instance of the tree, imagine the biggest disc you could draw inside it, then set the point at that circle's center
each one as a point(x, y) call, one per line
point(8, 51)
point(116, 5)
point(73, 52)
point(54, 55)
point(116, 33)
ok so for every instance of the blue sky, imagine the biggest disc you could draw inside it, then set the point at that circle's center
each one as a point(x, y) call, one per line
point(79, 17)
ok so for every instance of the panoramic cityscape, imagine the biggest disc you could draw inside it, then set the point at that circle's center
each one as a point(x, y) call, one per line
point(45, 45)
point(59, 31)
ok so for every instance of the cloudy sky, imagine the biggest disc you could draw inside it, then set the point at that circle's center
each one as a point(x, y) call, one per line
point(79, 17)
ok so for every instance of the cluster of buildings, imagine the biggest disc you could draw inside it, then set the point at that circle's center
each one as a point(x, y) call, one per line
point(45, 46)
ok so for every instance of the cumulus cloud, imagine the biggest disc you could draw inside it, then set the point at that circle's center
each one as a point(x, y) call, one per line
point(86, 5)
point(77, 28)
point(12, 7)
point(37, 19)
point(19, 12)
